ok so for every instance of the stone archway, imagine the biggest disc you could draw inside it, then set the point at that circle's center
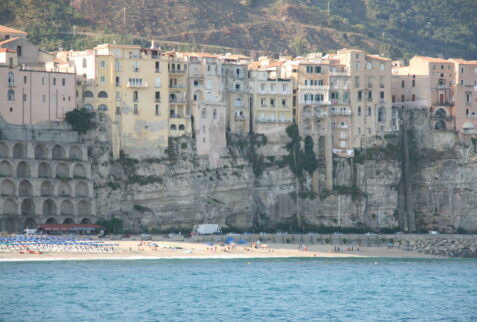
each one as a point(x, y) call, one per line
point(81, 190)
point(68, 221)
point(440, 125)
point(25, 188)
point(86, 221)
point(30, 223)
point(28, 207)
point(10, 207)
point(58, 152)
point(49, 208)
point(7, 188)
point(41, 152)
point(23, 170)
point(47, 189)
point(4, 153)
point(67, 208)
point(76, 153)
point(6, 169)
point(84, 208)
point(51, 221)
point(44, 170)
point(19, 151)
point(79, 171)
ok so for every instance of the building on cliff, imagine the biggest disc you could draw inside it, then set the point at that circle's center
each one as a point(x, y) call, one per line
point(131, 86)
point(31, 94)
point(271, 99)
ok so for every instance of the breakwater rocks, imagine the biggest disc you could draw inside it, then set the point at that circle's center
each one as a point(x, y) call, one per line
point(443, 246)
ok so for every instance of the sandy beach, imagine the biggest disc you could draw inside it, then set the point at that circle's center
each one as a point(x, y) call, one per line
point(131, 250)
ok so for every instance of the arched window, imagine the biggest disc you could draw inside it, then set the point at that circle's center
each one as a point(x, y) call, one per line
point(58, 153)
point(7, 188)
point(204, 113)
point(51, 221)
point(11, 79)
point(88, 94)
point(64, 189)
point(88, 107)
point(68, 221)
point(441, 113)
point(49, 208)
point(25, 188)
point(103, 94)
point(44, 170)
point(6, 169)
point(86, 221)
point(76, 153)
point(182, 127)
point(173, 127)
point(30, 223)
point(23, 170)
point(47, 189)
point(19, 151)
point(214, 115)
point(79, 171)
point(11, 95)
point(440, 125)
point(28, 207)
point(103, 108)
point(41, 152)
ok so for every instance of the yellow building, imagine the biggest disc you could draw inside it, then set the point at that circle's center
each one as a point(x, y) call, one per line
point(131, 86)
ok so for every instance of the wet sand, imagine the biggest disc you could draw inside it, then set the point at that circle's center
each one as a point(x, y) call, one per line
point(132, 250)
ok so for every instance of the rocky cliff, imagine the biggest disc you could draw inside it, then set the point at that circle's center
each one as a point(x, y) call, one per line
point(251, 189)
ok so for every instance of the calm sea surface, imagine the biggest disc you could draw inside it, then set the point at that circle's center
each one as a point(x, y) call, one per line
point(240, 290)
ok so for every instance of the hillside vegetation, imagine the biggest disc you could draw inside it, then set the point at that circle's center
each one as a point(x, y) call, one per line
point(393, 27)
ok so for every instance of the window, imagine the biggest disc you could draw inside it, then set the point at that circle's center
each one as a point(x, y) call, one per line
point(214, 115)
point(381, 66)
point(157, 82)
point(345, 97)
point(43, 81)
point(369, 111)
point(284, 102)
point(263, 102)
point(118, 96)
point(413, 83)
point(370, 95)
point(309, 69)
point(284, 88)
point(195, 97)
point(369, 66)
point(272, 88)
point(43, 98)
point(334, 96)
point(381, 114)
point(413, 97)
point(359, 110)
point(117, 65)
point(468, 98)
point(262, 87)
point(237, 86)
point(204, 113)
point(360, 95)
point(54, 80)
point(157, 109)
point(11, 79)
point(196, 83)
point(135, 97)
point(318, 69)
point(135, 66)
point(157, 96)
point(394, 98)
point(357, 66)
point(63, 82)
point(318, 97)
point(356, 82)
point(381, 95)
point(19, 51)
point(356, 56)
point(103, 94)
point(103, 108)
point(102, 63)
point(442, 66)
point(402, 98)
point(157, 67)
point(136, 109)
point(403, 84)
point(272, 102)
point(102, 79)
point(24, 79)
point(118, 81)
point(237, 71)
point(11, 95)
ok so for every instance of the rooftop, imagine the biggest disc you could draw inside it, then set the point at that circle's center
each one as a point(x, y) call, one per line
point(8, 40)
point(5, 29)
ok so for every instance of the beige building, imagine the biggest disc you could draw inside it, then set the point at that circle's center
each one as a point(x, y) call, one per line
point(236, 93)
point(370, 96)
point(32, 96)
point(27, 53)
point(131, 86)
point(465, 96)
point(272, 99)
point(427, 83)
point(206, 104)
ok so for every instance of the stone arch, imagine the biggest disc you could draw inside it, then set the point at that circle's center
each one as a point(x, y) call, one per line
point(88, 94)
point(62, 171)
point(88, 107)
point(49, 208)
point(182, 127)
point(47, 189)
point(67, 208)
point(28, 207)
point(30, 223)
point(440, 125)
point(23, 170)
point(64, 189)
point(19, 151)
point(86, 221)
point(58, 152)
point(10, 207)
point(103, 94)
point(41, 152)
point(4, 150)
point(9, 225)
point(84, 208)
point(44, 170)
point(81, 190)
point(76, 153)
point(79, 171)
point(6, 169)
point(68, 221)
point(103, 108)
point(51, 221)
point(7, 188)
point(440, 112)
point(25, 188)
point(173, 127)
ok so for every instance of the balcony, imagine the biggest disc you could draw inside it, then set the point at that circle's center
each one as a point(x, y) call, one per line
point(317, 87)
point(239, 118)
point(177, 101)
point(341, 113)
point(177, 71)
point(177, 116)
point(339, 74)
point(178, 86)
point(444, 118)
point(320, 115)
point(137, 85)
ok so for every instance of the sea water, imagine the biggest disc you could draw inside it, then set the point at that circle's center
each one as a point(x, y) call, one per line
point(240, 290)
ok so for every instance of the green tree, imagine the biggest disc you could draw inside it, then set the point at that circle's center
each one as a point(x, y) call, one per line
point(310, 162)
point(81, 120)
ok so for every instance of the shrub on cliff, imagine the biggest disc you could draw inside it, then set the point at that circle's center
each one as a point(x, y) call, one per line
point(81, 120)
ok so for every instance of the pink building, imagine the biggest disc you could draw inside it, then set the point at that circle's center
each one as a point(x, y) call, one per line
point(29, 96)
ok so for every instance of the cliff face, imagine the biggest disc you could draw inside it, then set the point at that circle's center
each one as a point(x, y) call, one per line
point(180, 189)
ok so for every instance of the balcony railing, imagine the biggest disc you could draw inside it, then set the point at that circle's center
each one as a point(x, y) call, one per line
point(343, 113)
point(137, 85)
point(324, 87)
point(321, 115)
point(445, 118)
point(177, 71)
point(338, 74)
point(239, 118)
point(180, 86)
point(11, 84)
point(177, 100)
